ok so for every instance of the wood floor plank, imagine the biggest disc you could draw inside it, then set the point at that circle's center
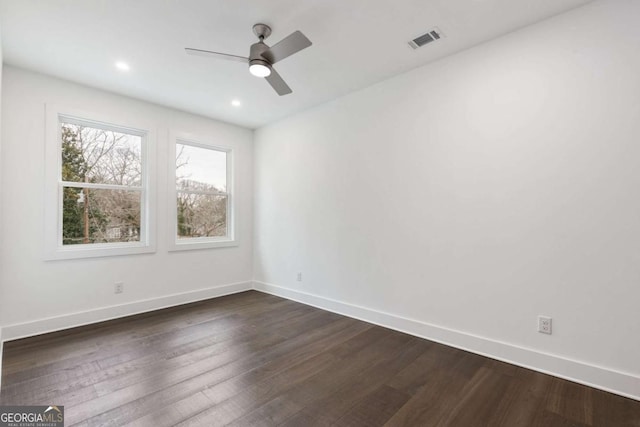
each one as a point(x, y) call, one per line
point(523, 398)
point(253, 359)
point(232, 379)
point(273, 413)
point(478, 399)
point(263, 394)
point(119, 391)
point(437, 397)
point(256, 395)
point(151, 331)
point(331, 399)
point(376, 409)
point(414, 376)
point(572, 401)
point(205, 342)
point(609, 408)
point(60, 345)
point(549, 419)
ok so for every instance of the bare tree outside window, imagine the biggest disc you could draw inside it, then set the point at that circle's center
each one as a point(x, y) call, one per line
point(102, 185)
point(202, 198)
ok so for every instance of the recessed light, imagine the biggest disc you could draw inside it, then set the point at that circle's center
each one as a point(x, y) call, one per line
point(236, 103)
point(122, 66)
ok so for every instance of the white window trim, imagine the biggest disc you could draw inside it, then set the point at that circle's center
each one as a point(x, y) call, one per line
point(54, 249)
point(194, 243)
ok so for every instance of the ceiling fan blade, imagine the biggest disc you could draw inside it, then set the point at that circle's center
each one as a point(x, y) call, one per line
point(277, 83)
point(210, 54)
point(286, 47)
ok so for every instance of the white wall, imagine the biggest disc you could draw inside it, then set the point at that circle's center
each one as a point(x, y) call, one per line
point(467, 197)
point(1, 236)
point(34, 289)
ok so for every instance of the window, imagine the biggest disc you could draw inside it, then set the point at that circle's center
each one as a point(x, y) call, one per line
point(100, 173)
point(201, 193)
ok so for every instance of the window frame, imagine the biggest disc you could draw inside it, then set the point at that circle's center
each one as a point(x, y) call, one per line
point(195, 243)
point(54, 185)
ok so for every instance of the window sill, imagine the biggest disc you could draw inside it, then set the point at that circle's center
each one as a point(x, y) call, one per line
point(99, 250)
point(200, 243)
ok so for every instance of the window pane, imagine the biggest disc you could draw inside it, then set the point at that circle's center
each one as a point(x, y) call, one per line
point(201, 215)
point(100, 216)
point(200, 168)
point(100, 156)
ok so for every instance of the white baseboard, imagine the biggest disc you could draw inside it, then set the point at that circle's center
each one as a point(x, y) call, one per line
point(606, 379)
point(52, 324)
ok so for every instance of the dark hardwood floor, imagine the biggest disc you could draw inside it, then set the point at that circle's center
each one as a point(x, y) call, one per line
point(253, 359)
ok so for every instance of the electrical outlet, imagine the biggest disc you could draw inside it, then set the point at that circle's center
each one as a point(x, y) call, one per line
point(299, 279)
point(118, 288)
point(544, 325)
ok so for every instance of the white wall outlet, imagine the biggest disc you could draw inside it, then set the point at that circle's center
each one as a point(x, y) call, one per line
point(299, 277)
point(544, 325)
point(118, 288)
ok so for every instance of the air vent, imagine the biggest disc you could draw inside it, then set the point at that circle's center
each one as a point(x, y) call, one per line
point(427, 38)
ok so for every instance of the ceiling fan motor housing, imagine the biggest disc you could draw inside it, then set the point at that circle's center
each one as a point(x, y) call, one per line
point(255, 55)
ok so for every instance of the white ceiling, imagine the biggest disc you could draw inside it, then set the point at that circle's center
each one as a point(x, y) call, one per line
point(355, 43)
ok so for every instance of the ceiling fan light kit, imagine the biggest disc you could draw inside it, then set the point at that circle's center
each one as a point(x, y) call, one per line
point(262, 57)
point(259, 68)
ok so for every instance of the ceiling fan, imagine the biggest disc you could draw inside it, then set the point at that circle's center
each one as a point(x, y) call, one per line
point(262, 57)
